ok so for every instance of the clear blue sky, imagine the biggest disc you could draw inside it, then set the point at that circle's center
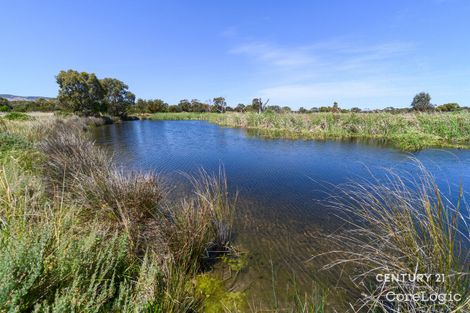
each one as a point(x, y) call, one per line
point(365, 53)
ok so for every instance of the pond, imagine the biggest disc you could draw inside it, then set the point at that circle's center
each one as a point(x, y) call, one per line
point(281, 185)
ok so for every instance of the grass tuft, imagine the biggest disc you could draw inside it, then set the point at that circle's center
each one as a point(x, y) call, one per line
point(404, 226)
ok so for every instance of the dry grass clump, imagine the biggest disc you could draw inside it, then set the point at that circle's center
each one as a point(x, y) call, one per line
point(70, 153)
point(82, 235)
point(404, 226)
point(133, 200)
point(212, 197)
point(202, 224)
point(88, 174)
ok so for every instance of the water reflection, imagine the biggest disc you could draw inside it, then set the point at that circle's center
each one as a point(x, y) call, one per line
point(282, 183)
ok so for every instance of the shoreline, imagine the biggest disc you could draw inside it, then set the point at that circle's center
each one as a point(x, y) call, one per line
point(406, 131)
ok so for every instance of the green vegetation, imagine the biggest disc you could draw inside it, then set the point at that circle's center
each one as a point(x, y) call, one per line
point(5, 105)
point(216, 299)
point(85, 94)
point(422, 102)
point(17, 116)
point(39, 105)
point(406, 229)
point(410, 131)
point(448, 107)
point(78, 234)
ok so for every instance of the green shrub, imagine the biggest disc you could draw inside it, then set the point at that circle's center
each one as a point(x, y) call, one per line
point(17, 116)
point(10, 142)
point(448, 107)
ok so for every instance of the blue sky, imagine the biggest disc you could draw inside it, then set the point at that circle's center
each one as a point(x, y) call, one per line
point(365, 53)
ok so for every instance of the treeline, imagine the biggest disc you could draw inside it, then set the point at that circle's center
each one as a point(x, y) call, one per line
point(38, 105)
point(421, 102)
point(215, 105)
point(85, 94)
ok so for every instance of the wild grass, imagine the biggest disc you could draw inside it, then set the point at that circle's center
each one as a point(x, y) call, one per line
point(82, 235)
point(404, 226)
point(77, 233)
point(203, 223)
point(407, 131)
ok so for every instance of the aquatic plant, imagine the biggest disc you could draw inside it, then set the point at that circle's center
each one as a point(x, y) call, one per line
point(404, 226)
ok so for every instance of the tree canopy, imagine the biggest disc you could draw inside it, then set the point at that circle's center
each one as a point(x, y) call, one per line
point(449, 107)
point(4, 105)
point(219, 104)
point(422, 102)
point(80, 92)
point(117, 97)
point(84, 93)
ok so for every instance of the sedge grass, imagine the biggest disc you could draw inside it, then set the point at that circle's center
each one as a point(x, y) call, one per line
point(69, 232)
point(405, 226)
point(406, 131)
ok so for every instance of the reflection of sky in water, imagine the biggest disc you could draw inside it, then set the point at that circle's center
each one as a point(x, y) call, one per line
point(278, 180)
point(281, 171)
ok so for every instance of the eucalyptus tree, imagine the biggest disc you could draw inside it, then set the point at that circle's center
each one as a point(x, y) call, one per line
point(286, 109)
point(185, 105)
point(274, 108)
point(80, 92)
point(240, 107)
point(219, 104)
point(117, 97)
point(422, 102)
point(157, 105)
point(198, 106)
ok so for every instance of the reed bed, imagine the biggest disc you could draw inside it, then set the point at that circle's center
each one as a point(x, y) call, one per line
point(407, 131)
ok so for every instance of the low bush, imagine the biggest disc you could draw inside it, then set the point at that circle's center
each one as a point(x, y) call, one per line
point(17, 116)
point(83, 235)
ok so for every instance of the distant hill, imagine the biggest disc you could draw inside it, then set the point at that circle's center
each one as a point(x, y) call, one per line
point(22, 98)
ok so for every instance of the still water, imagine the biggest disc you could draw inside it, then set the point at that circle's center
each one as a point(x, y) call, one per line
point(281, 185)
